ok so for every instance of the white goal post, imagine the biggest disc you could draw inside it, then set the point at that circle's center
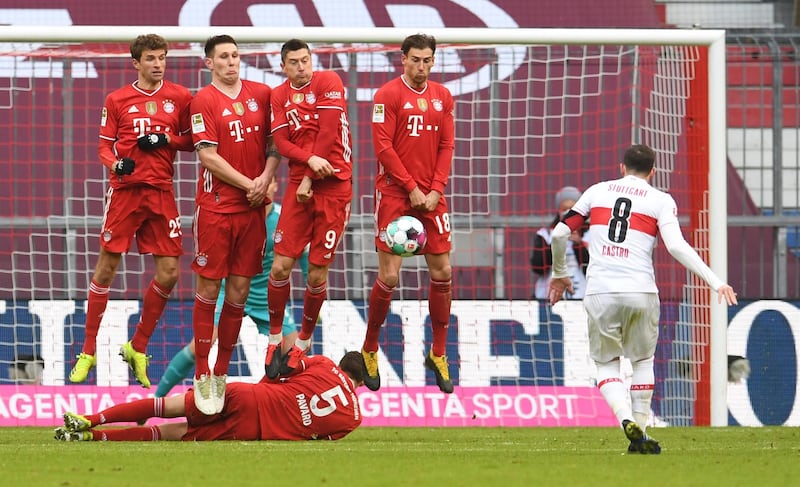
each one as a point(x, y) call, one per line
point(713, 40)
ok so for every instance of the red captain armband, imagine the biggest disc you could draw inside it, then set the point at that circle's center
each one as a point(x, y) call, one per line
point(573, 220)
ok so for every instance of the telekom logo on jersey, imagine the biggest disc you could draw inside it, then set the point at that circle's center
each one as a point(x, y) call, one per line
point(236, 130)
point(325, 13)
point(414, 125)
point(141, 125)
point(294, 118)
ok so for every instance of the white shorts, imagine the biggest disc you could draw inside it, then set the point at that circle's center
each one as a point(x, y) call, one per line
point(622, 324)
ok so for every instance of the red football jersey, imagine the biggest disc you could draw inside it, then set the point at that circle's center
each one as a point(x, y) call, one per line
point(129, 113)
point(413, 134)
point(318, 404)
point(239, 127)
point(298, 110)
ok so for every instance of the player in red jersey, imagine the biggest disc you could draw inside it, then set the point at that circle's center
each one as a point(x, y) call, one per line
point(142, 127)
point(622, 306)
point(317, 401)
point(310, 127)
point(413, 133)
point(230, 128)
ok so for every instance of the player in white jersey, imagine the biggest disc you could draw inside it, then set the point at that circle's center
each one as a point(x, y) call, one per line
point(622, 306)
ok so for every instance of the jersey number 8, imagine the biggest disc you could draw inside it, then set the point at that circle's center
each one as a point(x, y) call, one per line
point(620, 220)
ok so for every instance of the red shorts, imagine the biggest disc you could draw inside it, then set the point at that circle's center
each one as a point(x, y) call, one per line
point(144, 211)
point(237, 421)
point(320, 221)
point(229, 243)
point(436, 222)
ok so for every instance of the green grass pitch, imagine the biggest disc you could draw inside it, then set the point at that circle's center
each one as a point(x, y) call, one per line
point(501, 457)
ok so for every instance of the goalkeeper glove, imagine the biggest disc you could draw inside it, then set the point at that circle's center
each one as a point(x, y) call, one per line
point(152, 141)
point(124, 166)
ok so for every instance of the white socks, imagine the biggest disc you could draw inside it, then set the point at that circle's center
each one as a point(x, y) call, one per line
point(613, 389)
point(642, 385)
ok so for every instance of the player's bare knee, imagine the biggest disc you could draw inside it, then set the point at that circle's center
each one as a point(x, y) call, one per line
point(439, 267)
point(208, 288)
point(167, 279)
point(278, 274)
point(104, 275)
point(441, 274)
point(390, 279)
point(106, 268)
point(317, 275)
point(281, 268)
point(167, 271)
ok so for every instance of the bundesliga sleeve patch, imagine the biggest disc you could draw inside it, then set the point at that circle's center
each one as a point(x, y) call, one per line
point(198, 125)
point(104, 117)
point(377, 113)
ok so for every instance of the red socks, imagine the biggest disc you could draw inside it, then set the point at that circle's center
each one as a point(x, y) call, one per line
point(203, 328)
point(312, 303)
point(95, 307)
point(136, 433)
point(230, 322)
point(277, 297)
point(155, 300)
point(129, 412)
point(380, 298)
point(439, 298)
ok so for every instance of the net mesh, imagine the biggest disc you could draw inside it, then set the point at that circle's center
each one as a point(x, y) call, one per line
point(529, 120)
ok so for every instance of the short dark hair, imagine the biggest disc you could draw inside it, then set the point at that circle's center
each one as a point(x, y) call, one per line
point(214, 41)
point(147, 42)
point(418, 41)
point(639, 158)
point(352, 364)
point(293, 45)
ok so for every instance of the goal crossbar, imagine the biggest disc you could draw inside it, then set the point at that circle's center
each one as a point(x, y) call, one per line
point(714, 40)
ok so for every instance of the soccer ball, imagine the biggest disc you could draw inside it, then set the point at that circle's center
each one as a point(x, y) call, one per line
point(406, 236)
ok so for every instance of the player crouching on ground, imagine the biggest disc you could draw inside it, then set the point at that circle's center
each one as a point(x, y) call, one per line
point(317, 401)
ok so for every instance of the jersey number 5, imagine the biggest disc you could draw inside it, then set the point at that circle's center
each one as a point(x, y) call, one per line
point(328, 397)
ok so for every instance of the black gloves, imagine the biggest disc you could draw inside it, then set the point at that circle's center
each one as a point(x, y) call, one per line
point(152, 141)
point(146, 142)
point(123, 166)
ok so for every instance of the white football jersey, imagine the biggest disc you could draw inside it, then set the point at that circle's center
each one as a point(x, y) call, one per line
point(625, 216)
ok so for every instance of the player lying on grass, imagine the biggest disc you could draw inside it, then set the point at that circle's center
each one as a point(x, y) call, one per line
point(317, 401)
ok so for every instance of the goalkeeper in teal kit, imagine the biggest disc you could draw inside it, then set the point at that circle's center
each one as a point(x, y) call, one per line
point(255, 307)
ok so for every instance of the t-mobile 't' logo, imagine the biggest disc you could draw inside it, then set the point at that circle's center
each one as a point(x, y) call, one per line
point(141, 125)
point(236, 130)
point(414, 125)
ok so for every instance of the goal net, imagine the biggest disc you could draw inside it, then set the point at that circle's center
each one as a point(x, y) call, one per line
point(531, 117)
